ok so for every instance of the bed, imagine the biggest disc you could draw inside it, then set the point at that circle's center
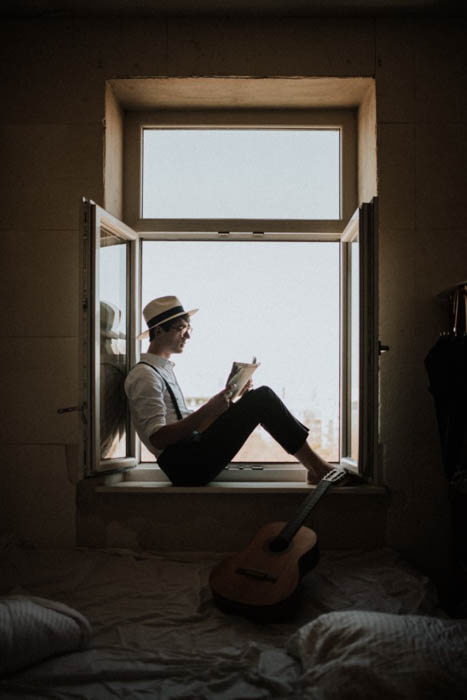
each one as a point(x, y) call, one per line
point(126, 624)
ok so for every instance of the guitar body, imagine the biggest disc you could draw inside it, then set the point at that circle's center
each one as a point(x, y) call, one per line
point(261, 583)
point(263, 580)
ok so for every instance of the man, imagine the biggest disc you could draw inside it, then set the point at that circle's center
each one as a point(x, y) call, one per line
point(192, 448)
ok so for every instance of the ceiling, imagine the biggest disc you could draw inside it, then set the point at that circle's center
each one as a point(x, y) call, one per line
point(231, 8)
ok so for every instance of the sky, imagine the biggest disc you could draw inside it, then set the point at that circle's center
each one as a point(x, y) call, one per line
point(276, 301)
point(245, 173)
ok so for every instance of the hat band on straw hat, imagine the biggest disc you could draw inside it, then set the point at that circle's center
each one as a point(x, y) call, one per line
point(160, 318)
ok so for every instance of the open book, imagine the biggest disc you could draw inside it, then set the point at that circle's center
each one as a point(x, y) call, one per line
point(239, 375)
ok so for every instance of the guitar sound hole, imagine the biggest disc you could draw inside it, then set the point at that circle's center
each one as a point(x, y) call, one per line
point(278, 544)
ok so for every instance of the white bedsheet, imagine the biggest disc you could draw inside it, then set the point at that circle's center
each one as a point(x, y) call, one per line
point(157, 633)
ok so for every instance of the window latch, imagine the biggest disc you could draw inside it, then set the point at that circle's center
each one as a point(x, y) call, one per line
point(70, 409)
point(382, 348)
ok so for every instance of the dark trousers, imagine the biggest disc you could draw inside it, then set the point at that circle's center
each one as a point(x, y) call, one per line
point(196, 463)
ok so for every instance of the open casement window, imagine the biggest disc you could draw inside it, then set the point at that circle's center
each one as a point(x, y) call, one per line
point(109, 294)
point(359, 341)
point(112, 313)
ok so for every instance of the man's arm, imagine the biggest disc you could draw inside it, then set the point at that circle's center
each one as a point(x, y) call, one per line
point(199, 420)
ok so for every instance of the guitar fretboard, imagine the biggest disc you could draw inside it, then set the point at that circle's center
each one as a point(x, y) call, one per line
point(284, 538)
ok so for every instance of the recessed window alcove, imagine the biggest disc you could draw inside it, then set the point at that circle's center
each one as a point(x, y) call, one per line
point(279, 103)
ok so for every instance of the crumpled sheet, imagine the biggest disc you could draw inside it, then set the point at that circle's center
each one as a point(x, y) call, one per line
point(158, 634)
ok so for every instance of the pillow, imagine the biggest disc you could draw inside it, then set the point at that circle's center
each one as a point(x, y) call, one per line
point(355, 654)
point(32, 629)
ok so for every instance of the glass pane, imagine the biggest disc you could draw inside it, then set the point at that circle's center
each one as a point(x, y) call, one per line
point(277, 301)
point(354, 349)
point(113, 324)
point(241, 174)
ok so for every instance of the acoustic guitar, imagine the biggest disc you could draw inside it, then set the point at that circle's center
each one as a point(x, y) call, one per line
point(262, 581)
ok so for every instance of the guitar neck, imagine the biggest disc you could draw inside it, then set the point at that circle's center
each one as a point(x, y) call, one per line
point(291, 528)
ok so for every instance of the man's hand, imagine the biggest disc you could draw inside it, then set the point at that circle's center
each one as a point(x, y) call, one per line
point(219, 403)
point(248, 386)
point(199, 420)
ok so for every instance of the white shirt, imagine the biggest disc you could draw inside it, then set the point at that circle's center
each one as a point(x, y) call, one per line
point(151, 406)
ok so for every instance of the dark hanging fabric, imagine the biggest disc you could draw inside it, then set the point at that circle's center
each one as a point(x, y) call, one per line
point(446, 364)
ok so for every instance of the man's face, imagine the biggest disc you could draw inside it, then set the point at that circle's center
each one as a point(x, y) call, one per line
point(178, 335)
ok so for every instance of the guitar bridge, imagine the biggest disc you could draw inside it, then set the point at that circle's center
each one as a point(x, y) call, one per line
point(257, 574)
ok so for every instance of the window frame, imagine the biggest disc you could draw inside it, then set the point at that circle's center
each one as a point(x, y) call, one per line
point(137, 230)
point(363, 224)
point(349, 236)
point(369, 341)
point(363, 227)
point(93, 220)
point(249, 469)
point(343, 119)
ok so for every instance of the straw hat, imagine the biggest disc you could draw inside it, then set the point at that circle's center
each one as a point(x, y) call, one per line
point(110, 321)
point(160, 310)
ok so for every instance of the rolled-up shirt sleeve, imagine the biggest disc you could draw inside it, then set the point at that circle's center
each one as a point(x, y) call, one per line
point(145, 394)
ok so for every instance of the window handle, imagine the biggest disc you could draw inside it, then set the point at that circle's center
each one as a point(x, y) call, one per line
point(70, 409)
point(382, 348)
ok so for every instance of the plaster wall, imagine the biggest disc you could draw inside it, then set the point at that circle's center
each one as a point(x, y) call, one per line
point(53, 75)
point(221, 521)
point(113, 154)
point(367, 148)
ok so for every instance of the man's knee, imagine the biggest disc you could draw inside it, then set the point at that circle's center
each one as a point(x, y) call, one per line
point(265, 390)
point(263, 393)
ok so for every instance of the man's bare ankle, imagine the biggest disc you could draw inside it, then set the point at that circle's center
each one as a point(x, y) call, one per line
point(315, 475)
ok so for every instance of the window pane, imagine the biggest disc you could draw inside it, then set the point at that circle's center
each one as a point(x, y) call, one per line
point(241, 174)
point(113, 317)
point(354, 350)
point(277, 301)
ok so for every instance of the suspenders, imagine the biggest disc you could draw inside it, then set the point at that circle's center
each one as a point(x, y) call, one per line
point(169, 389)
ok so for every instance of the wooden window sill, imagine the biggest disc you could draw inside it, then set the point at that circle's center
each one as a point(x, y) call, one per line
point(237, 487)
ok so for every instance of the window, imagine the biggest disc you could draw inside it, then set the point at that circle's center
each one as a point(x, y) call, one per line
point(108, 287)
point(244, 312)
point(285, 277)
point(283, 171)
